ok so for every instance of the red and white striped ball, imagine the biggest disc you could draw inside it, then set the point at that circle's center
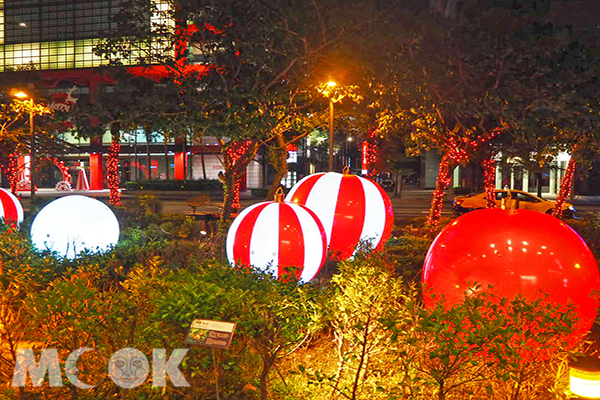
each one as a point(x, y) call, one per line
point(278, 237)
point(352, 210)
point(11, 208)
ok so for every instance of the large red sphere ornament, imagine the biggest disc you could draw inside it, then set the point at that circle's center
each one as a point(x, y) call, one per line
point(278, 237)
point(352, 209)
point(516, 251)
point(11, 209)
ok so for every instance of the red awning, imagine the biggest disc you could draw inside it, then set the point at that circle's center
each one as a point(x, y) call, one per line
point(160, 72)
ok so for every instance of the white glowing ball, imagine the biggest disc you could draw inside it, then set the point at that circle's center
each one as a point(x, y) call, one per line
point(72, 224)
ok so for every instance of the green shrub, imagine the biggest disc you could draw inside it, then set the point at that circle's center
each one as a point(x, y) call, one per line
point(260, 193)
point(202, 185)
point(408, 253)
point(363, 335)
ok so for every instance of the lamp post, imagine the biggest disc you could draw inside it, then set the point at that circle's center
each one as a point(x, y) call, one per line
point(331, 133)
point(22, 95)
point(349, 140)
point(328, 90)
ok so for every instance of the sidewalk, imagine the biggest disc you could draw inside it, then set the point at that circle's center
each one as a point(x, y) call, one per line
point(576, 200)
point(413, 201)
point(426, 194)
point(50, 192)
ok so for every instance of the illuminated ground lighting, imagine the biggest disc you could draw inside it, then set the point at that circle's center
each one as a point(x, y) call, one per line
point(72, 224)
point(584, 377)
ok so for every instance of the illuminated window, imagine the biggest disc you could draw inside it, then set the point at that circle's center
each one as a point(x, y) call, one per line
point(62, 34)
point(22, 54)
point(1, 21)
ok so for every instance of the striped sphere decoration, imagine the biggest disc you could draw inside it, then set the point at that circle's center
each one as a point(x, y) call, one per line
point(352, 210)
point(278, 237)
point(12, 210)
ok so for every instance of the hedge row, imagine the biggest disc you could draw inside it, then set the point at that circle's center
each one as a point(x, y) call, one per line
point(199, 185)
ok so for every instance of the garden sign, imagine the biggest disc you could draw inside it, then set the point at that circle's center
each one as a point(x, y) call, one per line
point(209, 333)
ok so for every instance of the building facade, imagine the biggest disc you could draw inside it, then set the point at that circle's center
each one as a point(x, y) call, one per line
point(57, 39)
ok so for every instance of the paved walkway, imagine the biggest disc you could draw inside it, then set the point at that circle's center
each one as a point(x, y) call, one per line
point(413, 202)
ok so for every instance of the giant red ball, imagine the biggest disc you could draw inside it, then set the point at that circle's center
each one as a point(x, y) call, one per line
point(516, 251)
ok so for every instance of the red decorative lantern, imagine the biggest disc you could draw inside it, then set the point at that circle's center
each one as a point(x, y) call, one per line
point(11, 210)
point(352, 209)
point(278, 237)
point(516, 251)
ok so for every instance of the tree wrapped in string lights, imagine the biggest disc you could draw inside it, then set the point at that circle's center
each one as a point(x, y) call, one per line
point(489, 181)
point(427, 129)
point(458, 149)
point(370, 153)
point(112, 172)
point(15, 138)
point(10, 168)
point(237, 156)
point(566, 186)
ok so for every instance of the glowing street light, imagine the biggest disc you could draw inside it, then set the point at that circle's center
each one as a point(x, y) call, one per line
point(21, 95)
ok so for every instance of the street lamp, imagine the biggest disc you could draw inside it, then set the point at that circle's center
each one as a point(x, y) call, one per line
point(22, 95)
point(328, 90)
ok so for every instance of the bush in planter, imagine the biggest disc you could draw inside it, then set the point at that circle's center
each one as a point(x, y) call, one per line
point(260, 193)
point(207, 185)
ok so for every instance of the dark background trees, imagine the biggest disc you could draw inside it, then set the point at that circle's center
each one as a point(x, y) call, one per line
point(471, 81)
point(450, 79)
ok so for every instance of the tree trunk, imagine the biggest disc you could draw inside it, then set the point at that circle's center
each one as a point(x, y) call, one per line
point(112, 166)
point(517, 391)
point(135, 159)
point(566, 188)
point(398, 184)
point(166, 160)
point(233, 170)
point(264, 377)
point(229, 197)
point(13, 172)
point(442, 183)
point(441, 392)
point(489, 182)
point(228, 186)
point(149, 156)
point(203, 165)
point(362, 361)
point(280, 164)
point(538, 177)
